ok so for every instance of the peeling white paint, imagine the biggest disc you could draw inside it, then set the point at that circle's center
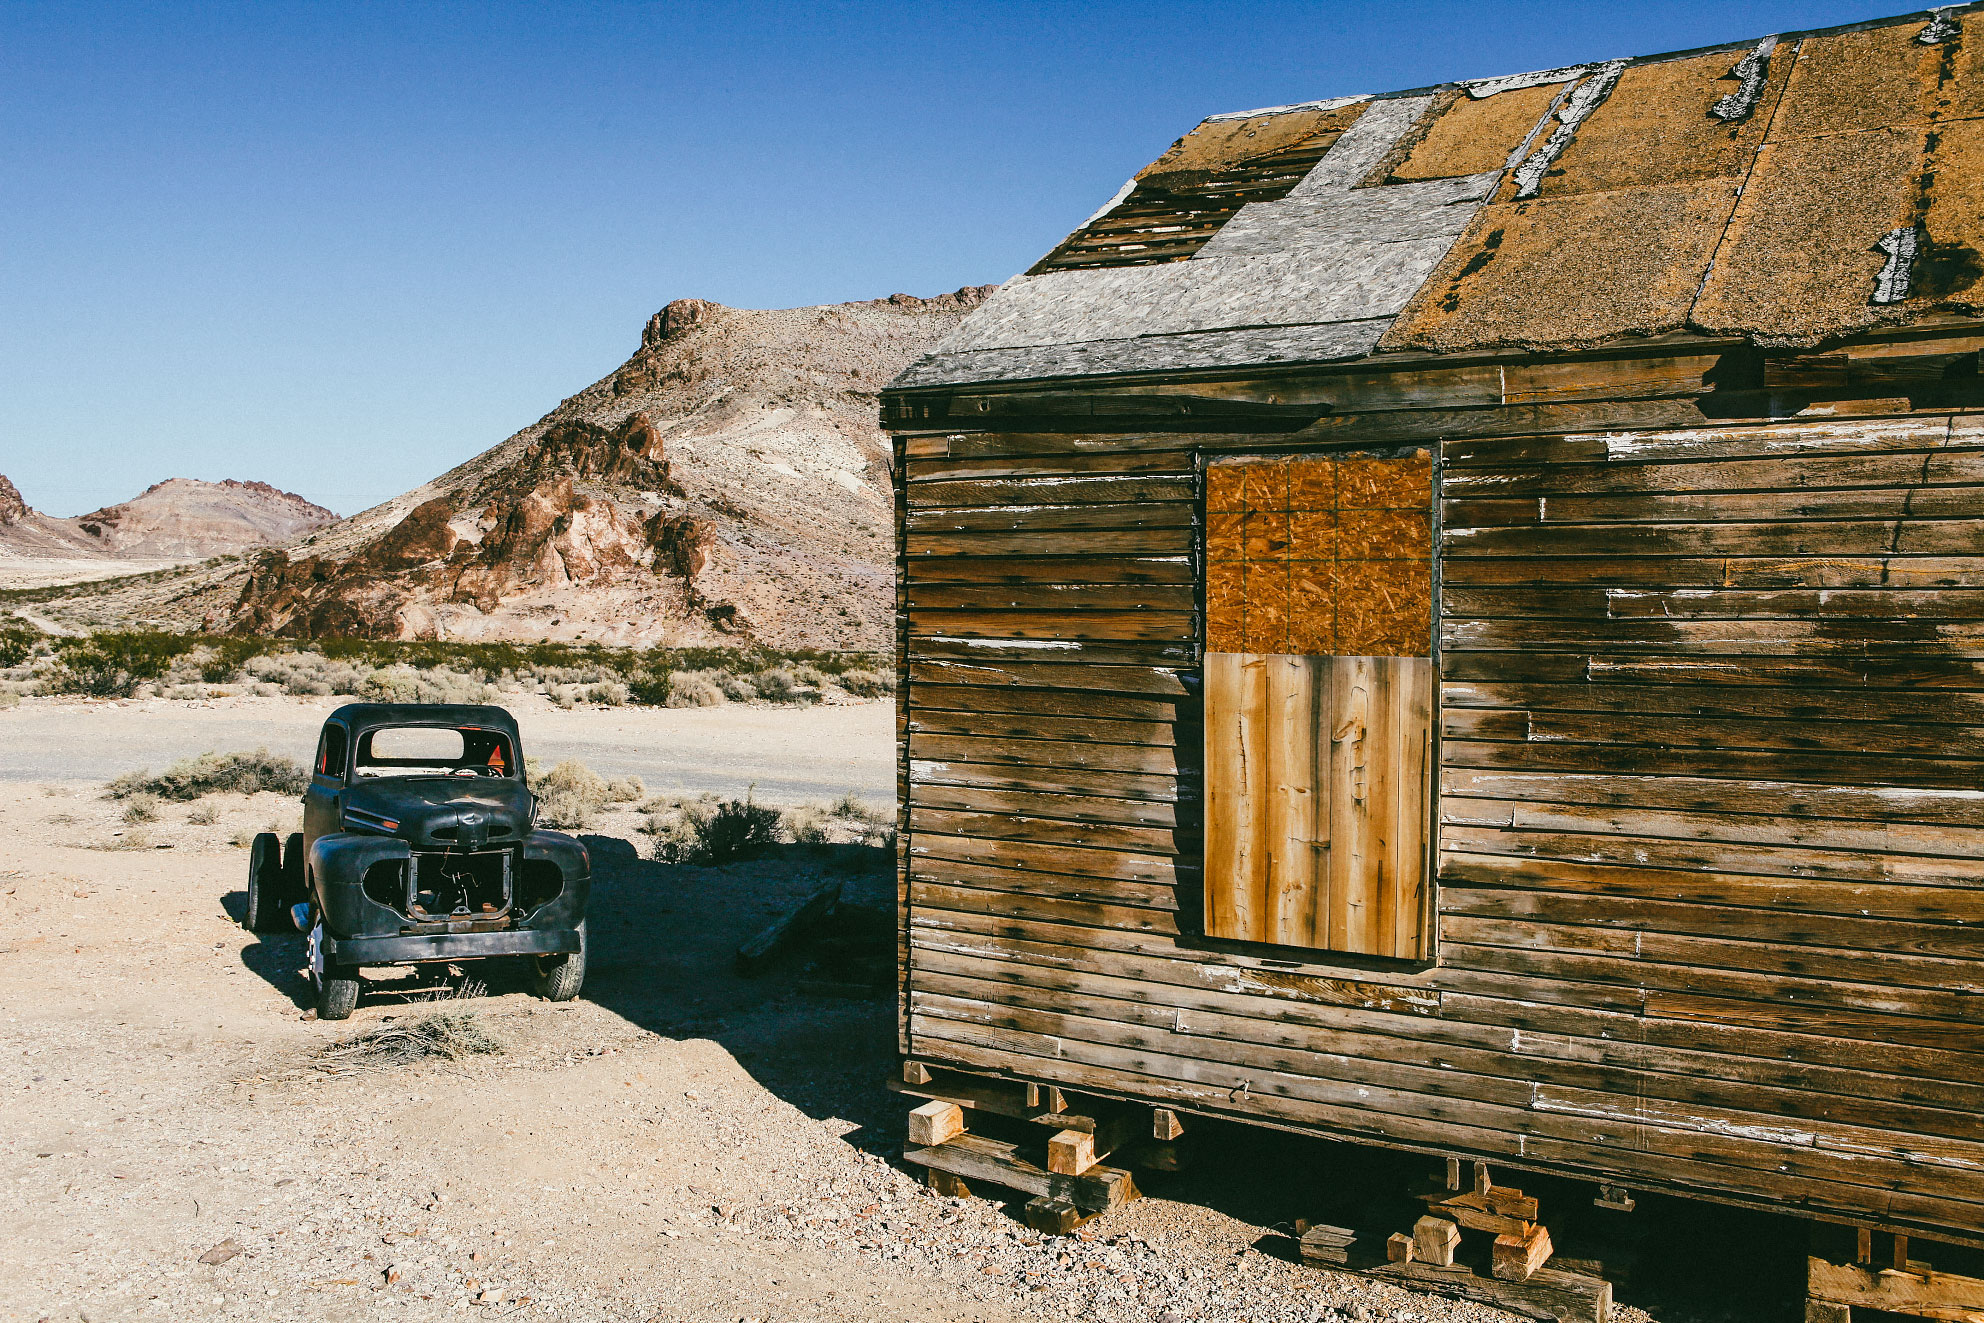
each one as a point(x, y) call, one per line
point(1753, 69)
point(1891, 285)
point(1586, 97)
point(1331, 104)
point(1942, 27)
point(1482, 88)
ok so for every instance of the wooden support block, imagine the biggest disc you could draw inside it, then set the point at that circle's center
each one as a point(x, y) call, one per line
point(1326, 1246)
point(1072, 1152)
point(1901, 1253)
point(1164, 1124)
point(1864, 1242)
point(944, 1183)
point(1920, 1290)
point(915, 1072)
point(1053, 1217)
point(1825, 1311)
point(1481, 1182)
point(1565, 1296)
point(1498, 1210)
point(1516, 1258)
point(1045, 1098)
point(1453, 1175)
point(934, 1123)
point(1100, 1189)
point(1614, 1198)
point(1434, 1240)
point(1398, 1248)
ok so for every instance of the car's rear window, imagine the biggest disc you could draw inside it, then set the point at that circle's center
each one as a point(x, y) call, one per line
point(416, 750)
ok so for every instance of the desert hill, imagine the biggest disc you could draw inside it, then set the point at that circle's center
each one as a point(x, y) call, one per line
point(728, 481)
point(178, 519)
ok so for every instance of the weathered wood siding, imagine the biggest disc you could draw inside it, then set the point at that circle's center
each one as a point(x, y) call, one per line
point(1711, 882)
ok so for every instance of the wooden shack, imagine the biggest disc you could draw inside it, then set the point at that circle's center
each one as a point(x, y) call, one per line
point(1455, 621)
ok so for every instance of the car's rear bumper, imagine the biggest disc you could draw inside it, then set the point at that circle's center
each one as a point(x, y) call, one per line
point(405, 950)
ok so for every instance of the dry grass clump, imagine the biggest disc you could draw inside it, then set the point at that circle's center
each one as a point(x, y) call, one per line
point(709, 831)
point(846, 821)
point(436, 1036)
point(141, 807)
point(215, 773)
point(571, 793)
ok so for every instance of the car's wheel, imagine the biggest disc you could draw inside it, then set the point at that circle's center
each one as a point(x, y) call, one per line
point(337, 992)
point(292, 868)
point(267, 909)
point(559, 977)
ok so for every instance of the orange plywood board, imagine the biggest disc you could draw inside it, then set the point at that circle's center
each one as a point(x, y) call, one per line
point(1326, 555)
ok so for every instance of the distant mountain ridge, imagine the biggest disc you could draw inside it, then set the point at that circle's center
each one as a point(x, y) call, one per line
point(177, 519)
point(728, 481)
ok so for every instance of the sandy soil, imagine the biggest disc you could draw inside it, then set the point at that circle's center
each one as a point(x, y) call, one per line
point(46, 572)
point(790, 755)
point(680, 1144)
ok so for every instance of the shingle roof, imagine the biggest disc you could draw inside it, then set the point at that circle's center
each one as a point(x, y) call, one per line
point(1788, 190)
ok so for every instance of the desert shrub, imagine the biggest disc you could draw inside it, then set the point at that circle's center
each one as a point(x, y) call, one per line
point(693, 689)
point(8, 698)
point(402, 683)
point(735, 687)
point(204, 816)
point(571, 793)
point(808, 825)
point(866, 684)
point(785, 684)
point(141, 807)
point(215, 773)
point(17, 645)
point(304, 673)
point(706, 830)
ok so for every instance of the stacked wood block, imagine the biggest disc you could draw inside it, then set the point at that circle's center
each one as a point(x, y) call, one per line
point(1057, 1159)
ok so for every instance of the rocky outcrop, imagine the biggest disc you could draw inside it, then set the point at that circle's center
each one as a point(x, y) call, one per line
point(728, 480)
point(12, 508)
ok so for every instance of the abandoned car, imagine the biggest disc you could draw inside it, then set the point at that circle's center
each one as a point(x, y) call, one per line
point(420, 845)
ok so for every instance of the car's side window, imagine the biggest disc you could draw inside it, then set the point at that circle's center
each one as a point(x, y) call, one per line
point(331, 751)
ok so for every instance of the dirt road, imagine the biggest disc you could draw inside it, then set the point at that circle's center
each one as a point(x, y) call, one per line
point(791, 755)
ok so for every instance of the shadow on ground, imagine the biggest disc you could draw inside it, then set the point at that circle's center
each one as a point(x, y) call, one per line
point(818, 1030)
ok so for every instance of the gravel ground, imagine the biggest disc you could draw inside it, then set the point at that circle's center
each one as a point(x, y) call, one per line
point(680, 1144)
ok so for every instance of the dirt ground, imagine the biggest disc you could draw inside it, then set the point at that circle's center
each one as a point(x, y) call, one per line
point(680, 1144)
point(788, 755)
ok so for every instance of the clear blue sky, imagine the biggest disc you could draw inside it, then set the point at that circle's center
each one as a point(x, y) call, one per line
point(342, 247)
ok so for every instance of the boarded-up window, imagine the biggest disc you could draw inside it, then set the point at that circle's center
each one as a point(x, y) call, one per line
point(1318, 699)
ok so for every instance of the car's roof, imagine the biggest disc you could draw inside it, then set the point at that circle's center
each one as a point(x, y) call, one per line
point(357, 715)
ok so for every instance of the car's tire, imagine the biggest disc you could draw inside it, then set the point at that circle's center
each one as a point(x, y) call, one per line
point(268, 910)
point(292, 868)
point(559, 977)
point(337, 992)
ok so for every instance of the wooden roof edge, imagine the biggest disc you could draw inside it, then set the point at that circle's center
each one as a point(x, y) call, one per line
point(1934, 328)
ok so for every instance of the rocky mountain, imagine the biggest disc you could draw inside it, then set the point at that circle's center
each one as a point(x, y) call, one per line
point(178, 519)
point(728, 481)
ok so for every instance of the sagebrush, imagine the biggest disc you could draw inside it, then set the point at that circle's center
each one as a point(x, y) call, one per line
point(215, 773)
